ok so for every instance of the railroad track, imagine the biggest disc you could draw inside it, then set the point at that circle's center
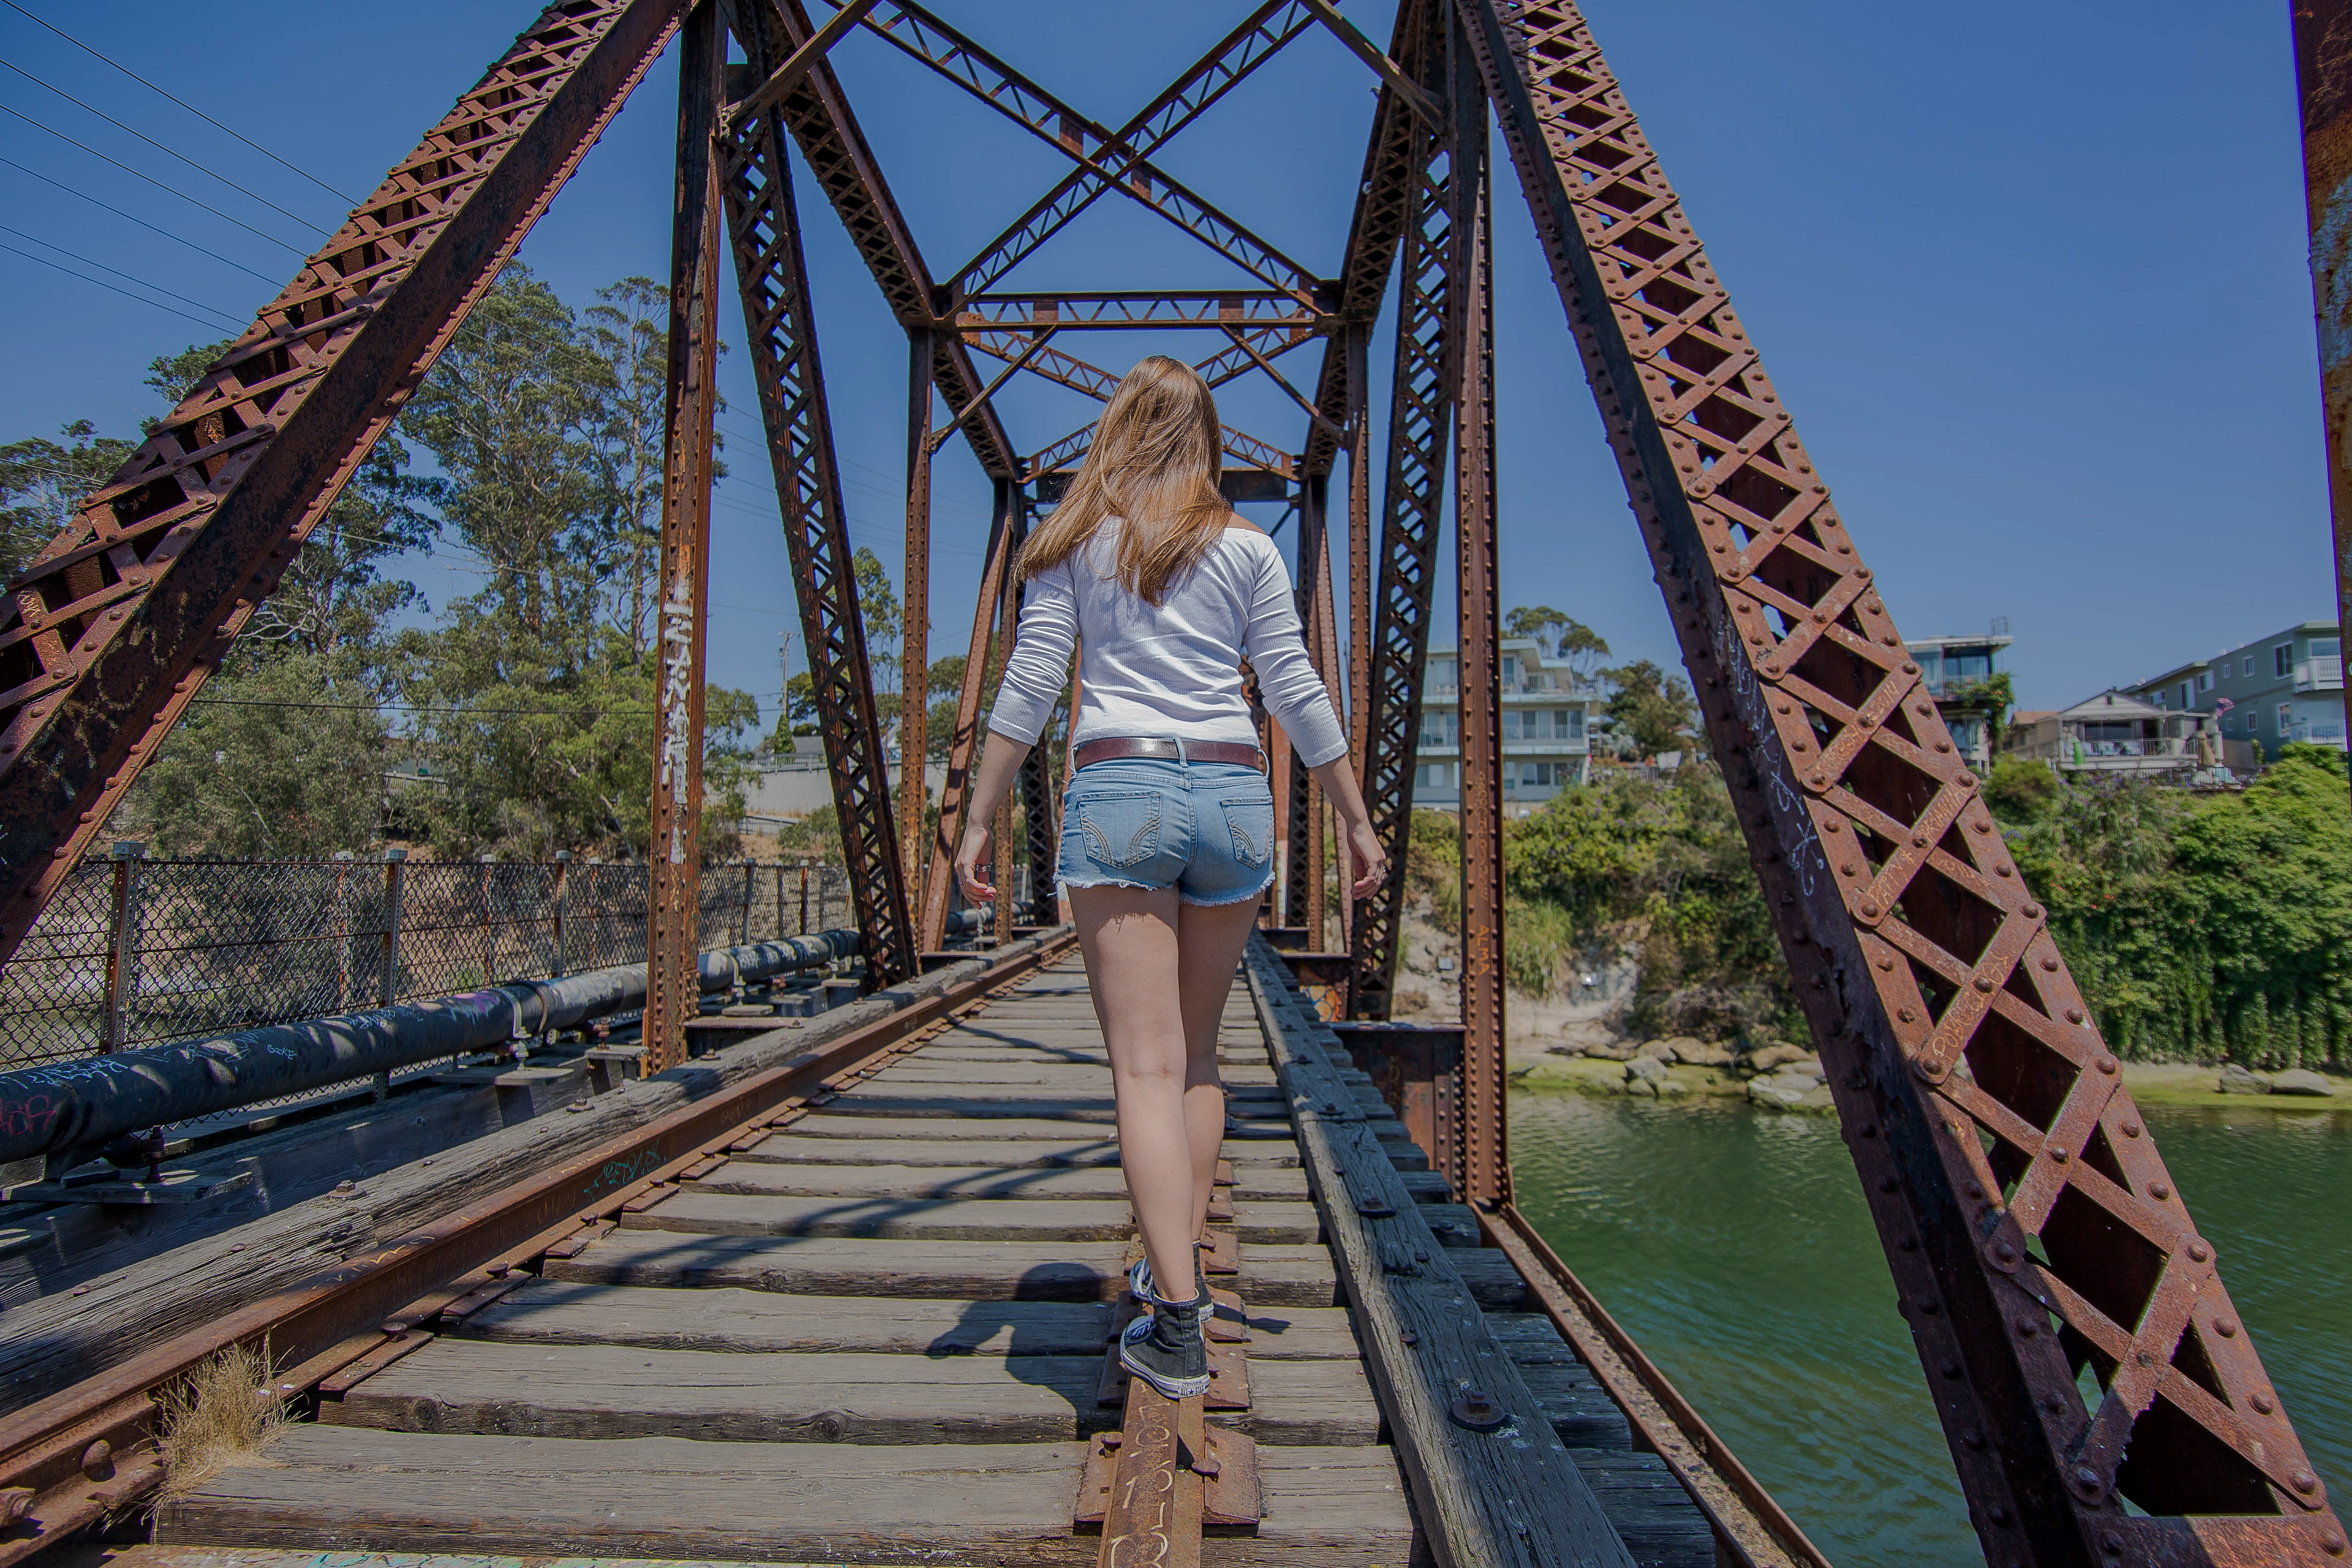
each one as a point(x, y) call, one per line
point(864, 1316)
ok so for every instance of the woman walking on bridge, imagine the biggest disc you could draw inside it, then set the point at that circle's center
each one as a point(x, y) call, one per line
point(1167, 821)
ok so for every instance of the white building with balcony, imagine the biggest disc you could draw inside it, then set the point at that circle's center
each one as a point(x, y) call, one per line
point(2285, 686)
point(1546, 720)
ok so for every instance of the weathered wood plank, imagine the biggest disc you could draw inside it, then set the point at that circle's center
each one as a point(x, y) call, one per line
point(1507, 1499)
point(915, 1135)
point(1662, 1527)
point(558, 1312)
point(605, 1392)
point(1105, 1181)
point(698, 1209)
point(1270, 1276)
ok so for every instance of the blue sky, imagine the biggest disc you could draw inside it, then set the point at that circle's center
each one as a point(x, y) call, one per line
point(2032, 282)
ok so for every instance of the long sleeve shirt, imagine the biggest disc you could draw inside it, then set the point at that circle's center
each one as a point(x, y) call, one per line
point(1170, 670)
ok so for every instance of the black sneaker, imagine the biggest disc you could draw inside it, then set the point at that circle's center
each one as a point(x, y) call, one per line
point(1167, 1348)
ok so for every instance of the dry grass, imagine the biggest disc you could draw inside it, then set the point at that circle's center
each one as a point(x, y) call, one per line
point(218, 1417)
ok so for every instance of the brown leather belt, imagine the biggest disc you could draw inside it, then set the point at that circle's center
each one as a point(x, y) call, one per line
point(1115, 748)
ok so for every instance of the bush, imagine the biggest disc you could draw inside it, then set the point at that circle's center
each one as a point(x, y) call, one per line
point(2020, 789)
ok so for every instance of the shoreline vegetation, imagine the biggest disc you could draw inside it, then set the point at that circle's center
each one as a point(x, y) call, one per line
point(2210, 934)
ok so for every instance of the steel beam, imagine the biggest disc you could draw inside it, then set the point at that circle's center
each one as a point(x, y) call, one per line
point(2323, 75)
point(107, 636)
point(1078, 375)
point(844, 167)
point(1093, 147)
point(780, 327)
point(914, 630)
point(673, 919)
point(1258, 39)
point(938, 885)
point(1486, 1153)
point(1139, 308)
point(2031, 1228)
point(1421, 414)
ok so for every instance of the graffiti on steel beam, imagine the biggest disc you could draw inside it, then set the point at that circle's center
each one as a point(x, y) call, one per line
point(2032, 1229)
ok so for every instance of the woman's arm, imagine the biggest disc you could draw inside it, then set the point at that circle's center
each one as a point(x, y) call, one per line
point(1360, 846)
point(998, 767)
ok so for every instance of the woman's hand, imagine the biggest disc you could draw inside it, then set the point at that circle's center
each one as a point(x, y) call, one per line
point(971, 857)
point(1371, 862)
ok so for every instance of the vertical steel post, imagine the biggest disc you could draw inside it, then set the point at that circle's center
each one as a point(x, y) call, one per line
point(1487, 1172)
point(395, 882)
point(914, 645)
point(2322, 76)
point(1008, 617)
point(1360, 588)
point(121, 946)
point(563, 893)
point(672, 933)
point(963, 744)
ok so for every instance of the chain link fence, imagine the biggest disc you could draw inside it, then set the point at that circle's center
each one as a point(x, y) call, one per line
point(132, 951)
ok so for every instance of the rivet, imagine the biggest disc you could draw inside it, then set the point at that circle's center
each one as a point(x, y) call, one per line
point(2112, 1544)
point(2131, 1129)
point(2226, 1327)
point(2159, 1190)
point(2005, 869)
point(1928, 1305)
point(1850, 870)
point(2059, 1156)
point(1998, 1514)
point(98, 1461)
point(1111, 1440)
point(2027, 1328)
point(1972, 1439)
point(1951, 1369)
point(1869, 911)
point(2004, 1253)
point(1886, 1184)
point(2262, 1404)
point(2051, 1404)
point(1818, 781)
point(2303, 1481)
point(2333, 1543)
point(1974, 1189)
point(2073, 1015)
point(2107, 1066)
point(1833, 827)
point(1983, 982)
point(2085, 1476)
point(1901, 1014)
point(2031, 911)
point(2198, 1251)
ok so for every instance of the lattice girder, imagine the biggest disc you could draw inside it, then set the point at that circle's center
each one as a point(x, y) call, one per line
point(2030, 1224)
point(779, 321)
point(109, 633)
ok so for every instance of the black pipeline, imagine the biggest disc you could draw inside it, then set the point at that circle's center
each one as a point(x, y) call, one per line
point(80, 1104)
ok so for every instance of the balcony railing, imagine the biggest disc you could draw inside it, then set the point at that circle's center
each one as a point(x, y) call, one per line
point(2320, 674)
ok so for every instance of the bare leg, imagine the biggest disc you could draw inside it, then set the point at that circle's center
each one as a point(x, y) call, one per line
point(1209, 942)
point(1129, 938)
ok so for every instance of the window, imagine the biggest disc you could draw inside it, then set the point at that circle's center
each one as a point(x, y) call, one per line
point(2285, 718)
point(2248, 668)
point(1439, 728)
point(1974, 665)
point(1441, 673)
point(2204, 680)
point(1433, 776)
point(2282, 658)
point(1535, 776)
point(1510, 672)
point(2327, 647)
point(1511, 720)
point(1574, 728)
point(2159, 700)
point(2188, 697)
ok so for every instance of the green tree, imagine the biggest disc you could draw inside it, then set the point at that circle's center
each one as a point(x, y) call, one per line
point(42, 483)
point(877, 612)
point(1649, 711)
point(174, 376)
point(628, 328)
point(1560, 635)
point(279, 760)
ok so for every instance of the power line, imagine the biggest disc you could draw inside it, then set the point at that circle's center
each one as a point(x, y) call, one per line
point(102, 267)
point(103, 283)
point(143, 223)
point(191, 108)
point(170, 152)
point(150, 179)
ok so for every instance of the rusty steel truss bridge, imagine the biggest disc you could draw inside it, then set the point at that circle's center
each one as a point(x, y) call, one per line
point(2102, 1401)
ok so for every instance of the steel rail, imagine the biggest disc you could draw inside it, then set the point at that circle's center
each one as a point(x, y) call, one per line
point(111, 631)
point(1747, 1521)
point(316, 1326)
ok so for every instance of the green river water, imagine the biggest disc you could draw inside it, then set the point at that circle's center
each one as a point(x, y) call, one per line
point(1735, 1246)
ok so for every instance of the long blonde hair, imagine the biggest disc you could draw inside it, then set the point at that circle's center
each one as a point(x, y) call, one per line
point(1154, 465)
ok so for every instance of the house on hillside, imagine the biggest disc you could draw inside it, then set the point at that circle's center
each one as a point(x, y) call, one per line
point(2115, 734)
point(2288, 685)
point(1970, 688)
point(1547, 719)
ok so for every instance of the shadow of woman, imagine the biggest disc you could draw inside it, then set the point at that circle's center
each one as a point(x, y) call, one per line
point(1047, 1344)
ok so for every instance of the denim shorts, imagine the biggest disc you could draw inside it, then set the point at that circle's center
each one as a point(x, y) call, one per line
point(1204, 828)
